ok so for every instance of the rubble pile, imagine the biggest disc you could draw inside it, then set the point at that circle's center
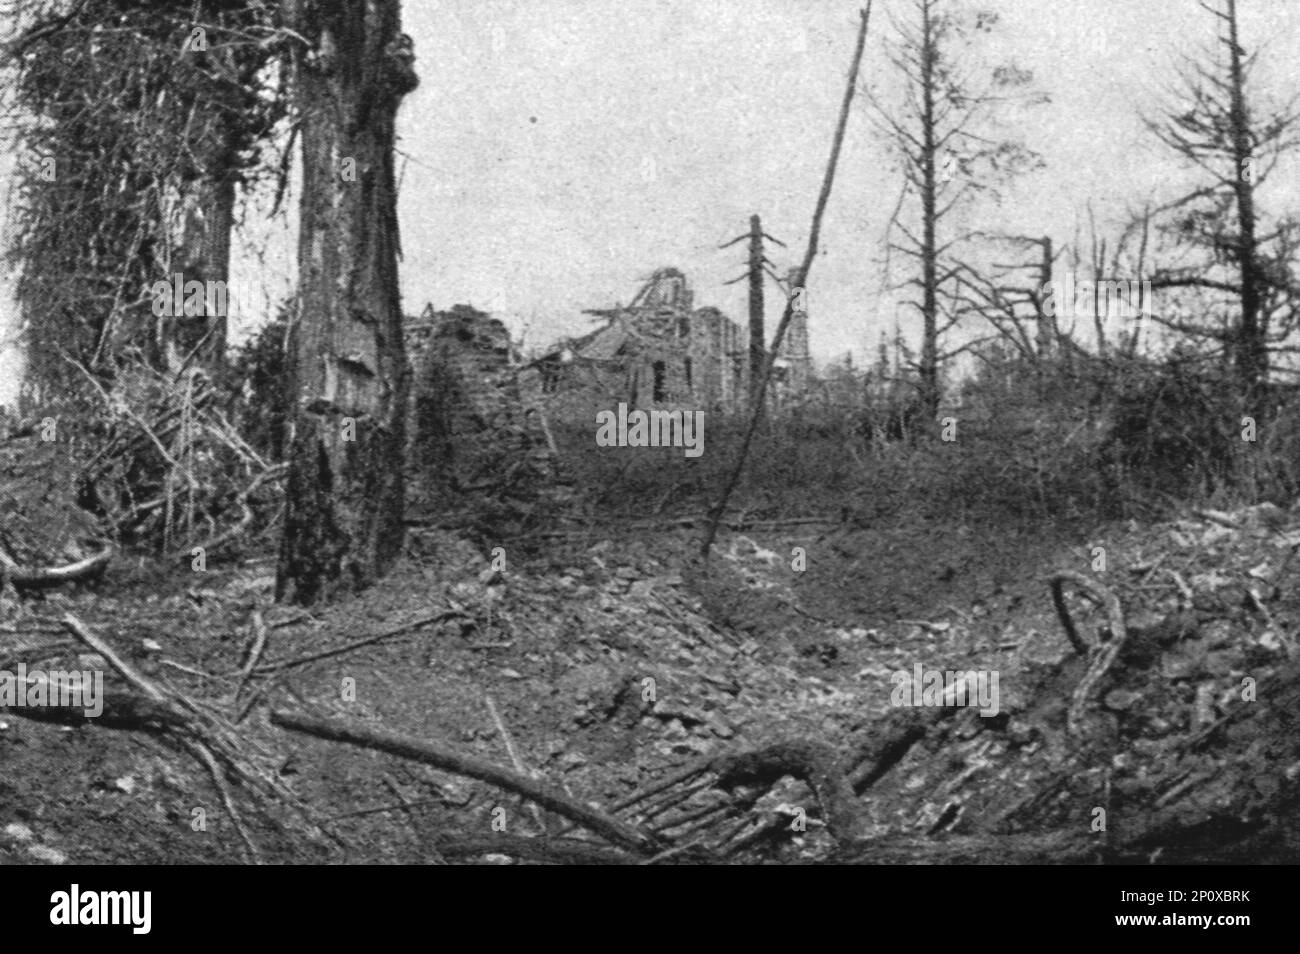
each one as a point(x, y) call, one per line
point(1191, 750)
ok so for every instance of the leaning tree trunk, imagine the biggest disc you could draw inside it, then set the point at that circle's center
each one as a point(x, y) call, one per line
point(349, 372)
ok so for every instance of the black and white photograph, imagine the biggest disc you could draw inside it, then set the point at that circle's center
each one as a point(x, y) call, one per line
point(654, 432)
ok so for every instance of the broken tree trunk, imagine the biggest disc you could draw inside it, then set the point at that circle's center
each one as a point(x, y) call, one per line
point(343, 523)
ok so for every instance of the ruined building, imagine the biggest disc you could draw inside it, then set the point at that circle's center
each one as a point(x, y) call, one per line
point(479, 415)
point(662, 350)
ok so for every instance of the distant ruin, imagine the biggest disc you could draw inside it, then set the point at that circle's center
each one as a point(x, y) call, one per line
point(661, 350)
point(479, 414)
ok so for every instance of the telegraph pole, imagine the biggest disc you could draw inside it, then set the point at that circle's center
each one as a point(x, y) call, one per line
point(758, 263)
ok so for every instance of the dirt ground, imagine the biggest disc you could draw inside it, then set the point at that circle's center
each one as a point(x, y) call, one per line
point(615, 660)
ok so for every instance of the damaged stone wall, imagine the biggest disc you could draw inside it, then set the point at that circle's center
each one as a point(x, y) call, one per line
point(470, 429)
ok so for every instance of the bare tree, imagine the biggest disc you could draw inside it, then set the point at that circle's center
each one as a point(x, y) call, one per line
point(948, 154)
point(350, 372)
point(1221, 129)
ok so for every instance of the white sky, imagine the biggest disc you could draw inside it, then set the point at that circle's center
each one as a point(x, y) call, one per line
point(558, 151)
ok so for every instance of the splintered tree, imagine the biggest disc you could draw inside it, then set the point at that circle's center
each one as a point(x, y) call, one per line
point(941, 132)
point(1220, 127)
point(350, 376)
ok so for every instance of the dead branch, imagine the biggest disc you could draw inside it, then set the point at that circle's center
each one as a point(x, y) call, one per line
point(213, 544)
point(359, 643)
point(200, 751)
point(515, 760)
point(1104, 655)
point(205, 735)
point(1057, 583)
point(259, 644)
point(127, 671)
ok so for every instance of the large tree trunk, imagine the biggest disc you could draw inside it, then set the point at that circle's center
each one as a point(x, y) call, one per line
point(350, 375)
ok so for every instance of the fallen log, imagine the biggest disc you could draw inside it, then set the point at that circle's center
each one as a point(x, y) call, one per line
point(428, 753)
point(83, 569)
point(118, 710)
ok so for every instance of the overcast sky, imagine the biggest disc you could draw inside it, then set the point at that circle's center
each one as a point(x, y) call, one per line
point(561, 150)
point(558, 151)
